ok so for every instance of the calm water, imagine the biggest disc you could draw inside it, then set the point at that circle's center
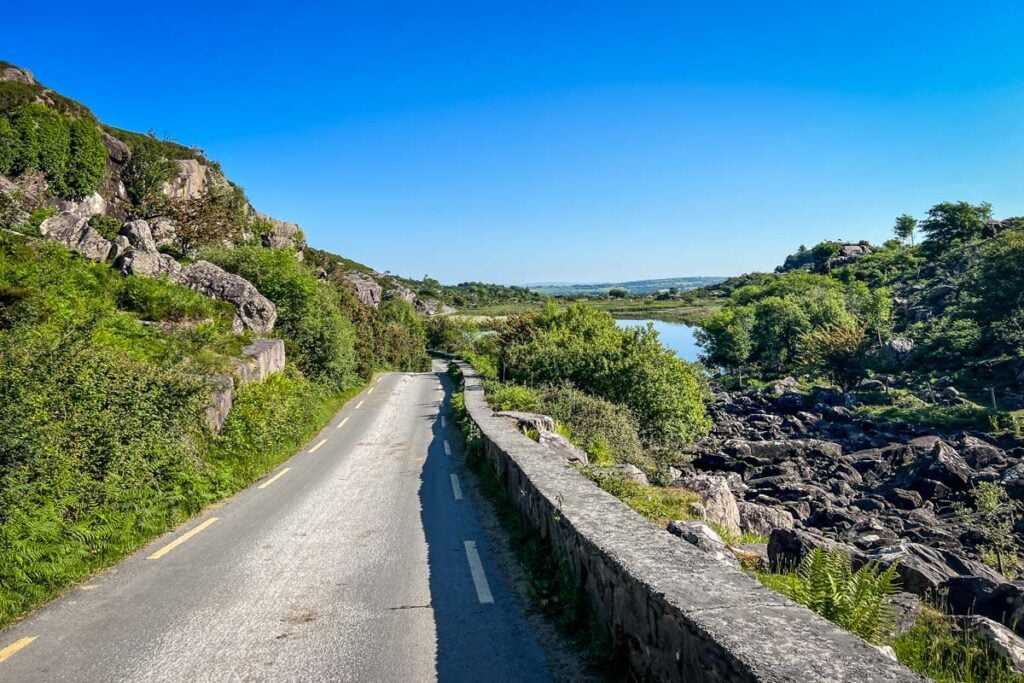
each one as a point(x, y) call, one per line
point(676, 336)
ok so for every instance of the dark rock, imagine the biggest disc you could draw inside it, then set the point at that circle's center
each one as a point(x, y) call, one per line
point(1013, 480)
point(904, 499)
point(923, 570)
point(787, 547)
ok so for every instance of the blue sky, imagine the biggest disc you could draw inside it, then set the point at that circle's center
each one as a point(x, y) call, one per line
point(522, 142)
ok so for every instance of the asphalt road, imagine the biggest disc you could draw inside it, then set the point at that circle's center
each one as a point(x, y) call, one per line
point(358, 559)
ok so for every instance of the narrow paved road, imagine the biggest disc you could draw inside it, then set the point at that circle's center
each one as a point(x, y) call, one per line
point(358, 559)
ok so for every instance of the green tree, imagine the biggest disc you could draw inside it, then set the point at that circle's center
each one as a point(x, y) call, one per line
point(824, 253)
point(320, 339)
point(953, 223)
point(904, 228)
point(834, 351)
point(87, 161)
point(727, 339)
point(618, 293)
point(8, 147)
point(146, 170)
point(778, 324)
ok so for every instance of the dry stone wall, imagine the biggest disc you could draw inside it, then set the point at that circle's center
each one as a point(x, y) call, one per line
point(680, 614)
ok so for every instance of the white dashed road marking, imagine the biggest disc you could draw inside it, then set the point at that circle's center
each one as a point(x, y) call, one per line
point(476, 568)
point(456, 487)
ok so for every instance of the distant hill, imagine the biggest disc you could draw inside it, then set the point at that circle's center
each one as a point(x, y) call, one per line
point(634, 287)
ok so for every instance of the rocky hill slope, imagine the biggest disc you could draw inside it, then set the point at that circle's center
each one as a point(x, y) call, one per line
point(162, 343)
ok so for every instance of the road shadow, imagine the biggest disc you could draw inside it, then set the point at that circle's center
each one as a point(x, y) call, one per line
point(475, 641)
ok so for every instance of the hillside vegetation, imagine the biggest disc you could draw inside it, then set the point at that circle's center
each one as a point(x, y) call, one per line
point(108, 370)
point(921, 316)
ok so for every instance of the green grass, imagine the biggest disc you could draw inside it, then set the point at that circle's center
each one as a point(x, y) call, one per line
point(932, 647)
point(660, 505)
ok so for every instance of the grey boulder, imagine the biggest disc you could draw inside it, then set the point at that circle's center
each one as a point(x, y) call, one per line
point(253, 310)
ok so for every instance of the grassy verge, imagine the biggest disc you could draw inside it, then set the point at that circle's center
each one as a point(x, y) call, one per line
point(553, 589)
point(47, 547)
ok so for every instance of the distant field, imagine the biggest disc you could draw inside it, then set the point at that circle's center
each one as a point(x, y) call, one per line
point(634, 287)
point(689, 312)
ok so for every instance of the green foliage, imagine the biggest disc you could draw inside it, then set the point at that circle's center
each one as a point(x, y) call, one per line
point(450, 333)
point(660, 505)
point(146, 170)
point(777, 324)
point(904, 227)
point(993, 517)
point(512, 397)
point(607, 432)
point(108, 226)
point(320, 339)
point(834, 351)
point(8, 147)
point(583, 346)
point(102, 436)
point(69, 151)
point(934, 648)
point(618, 293)
point(87, 159)
point(951, 224)
point(855, 600)
point(215, 217)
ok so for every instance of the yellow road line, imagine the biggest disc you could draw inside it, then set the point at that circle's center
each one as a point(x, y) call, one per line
point(313, 449)
point(14, 647)
point(342, 423)
point(274, 478)
point(181, 539)
point(359, 405)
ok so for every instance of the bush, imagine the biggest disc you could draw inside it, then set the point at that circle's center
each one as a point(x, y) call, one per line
point(69, 151)
point(630, 366)
point(512, 397)
point(321, 340)
point(607, 432)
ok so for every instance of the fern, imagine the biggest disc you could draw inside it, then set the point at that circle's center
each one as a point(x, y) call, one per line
point(855, 600)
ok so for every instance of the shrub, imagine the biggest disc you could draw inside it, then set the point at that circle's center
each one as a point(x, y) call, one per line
point(69, 151)
point(512, 397)
point(320, 338)
point(629, 366)
point(108, 226)
point(607, 432)
point(660, 505)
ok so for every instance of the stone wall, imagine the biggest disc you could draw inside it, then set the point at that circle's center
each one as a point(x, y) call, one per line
point(680, 614)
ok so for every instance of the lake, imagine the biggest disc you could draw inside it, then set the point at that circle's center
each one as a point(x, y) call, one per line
point(676, 336)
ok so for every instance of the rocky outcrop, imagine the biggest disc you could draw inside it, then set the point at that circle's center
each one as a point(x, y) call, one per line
point(280, 234)
point(368, 291)
point(189, 181)
point(222, 398)
point(70, 227)
point(762, 520)
point(164, 231)
point(719, 502)
point(558, 445)
point(1002, 640)
point(17, 74)
point(138, 234)
point(263, 358)
point(923, 570)
point(253, 310)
